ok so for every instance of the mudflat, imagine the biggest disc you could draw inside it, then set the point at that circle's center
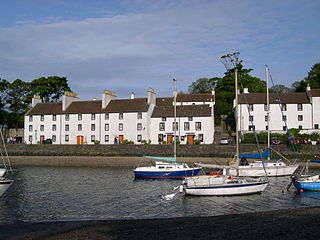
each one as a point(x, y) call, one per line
point(301, 223)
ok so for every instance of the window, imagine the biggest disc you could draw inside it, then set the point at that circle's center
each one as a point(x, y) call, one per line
point(250, 107)
point(299, 107)
point(54, 127)
point(93, 127)
point(66, 138)
point(300, 117)
point(42, 118)
point(266, 118)
point(120, 116)
point(267, 128)
point(187, 126)
point(164, 119)
point(139, 138)
point(30, 119)
point(284, 128)
point(251, 118)
point(252, 127)
point(300, 126)
point(316, 126)
point(79, 117)
point(30, 138)
point(106, 127)
point(200, 137)
point(66, 127)
point(30, 128)
point(106, 116)
point(93, 116)
point(162, 126)
point(139, 115)
point(67, 117)
point(198, 126)
point(160, 138)
point(54, 117)
point(54, 138)
point(93, 138)
point(120, 126)
point(284, 107)
point(106, 138)
point(41, 127)
point(79, 127)
point(190, 119)
point(284, 118)
point(139, 126)
point(182, 138)
point(174, 126)
point(265, 107)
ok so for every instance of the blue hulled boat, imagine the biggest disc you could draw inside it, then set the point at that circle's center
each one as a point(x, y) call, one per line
point(307, 182)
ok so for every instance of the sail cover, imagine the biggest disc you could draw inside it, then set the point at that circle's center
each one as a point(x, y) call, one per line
point(170, 159)
point(258, 155)
point(317, 161)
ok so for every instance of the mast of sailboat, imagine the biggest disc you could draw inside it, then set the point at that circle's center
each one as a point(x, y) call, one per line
point(236, 116)
point(174, 118)
point(268, 108)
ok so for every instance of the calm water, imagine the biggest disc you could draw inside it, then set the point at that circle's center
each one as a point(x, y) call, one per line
point(66, 193)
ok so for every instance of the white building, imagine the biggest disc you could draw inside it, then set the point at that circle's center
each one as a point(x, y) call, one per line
point(112, 120)
point(287, 110)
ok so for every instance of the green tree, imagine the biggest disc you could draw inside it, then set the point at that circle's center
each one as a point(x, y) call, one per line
point(203, 85)
point(4, 86)
point(279, 88)
point(313, 79)
point(50, 89)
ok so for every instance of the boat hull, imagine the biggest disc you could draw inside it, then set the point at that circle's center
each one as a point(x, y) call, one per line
point(2, 172)
point(229, 190)
point(4, 185)
point(175, 174)
point(309, 183)
point(245, 171)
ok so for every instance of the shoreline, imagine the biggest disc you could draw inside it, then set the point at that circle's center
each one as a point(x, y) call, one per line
point(299, 223)
point(112, 162)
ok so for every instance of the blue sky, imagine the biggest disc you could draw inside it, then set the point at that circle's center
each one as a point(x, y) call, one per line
point(128, 46)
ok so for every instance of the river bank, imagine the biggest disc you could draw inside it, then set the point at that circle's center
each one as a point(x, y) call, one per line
point(123, 162)
point(301, 223)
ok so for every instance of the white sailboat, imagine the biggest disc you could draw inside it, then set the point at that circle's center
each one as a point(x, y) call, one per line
point(5, 183)
point(224, 185)
point(170, 169)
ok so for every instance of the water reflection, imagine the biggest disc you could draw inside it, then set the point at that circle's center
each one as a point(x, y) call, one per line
point(66, 193)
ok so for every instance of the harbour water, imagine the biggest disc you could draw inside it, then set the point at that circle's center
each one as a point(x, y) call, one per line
point(69, 193)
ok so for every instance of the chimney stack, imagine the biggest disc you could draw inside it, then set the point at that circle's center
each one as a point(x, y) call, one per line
point(107, 96)
point(245, 90)
point(35, 100)
point(132, 95)
point(68, 98)
point(151, 96)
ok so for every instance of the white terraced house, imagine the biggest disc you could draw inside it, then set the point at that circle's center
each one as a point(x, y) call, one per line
point(287, 110)
point(112, 120)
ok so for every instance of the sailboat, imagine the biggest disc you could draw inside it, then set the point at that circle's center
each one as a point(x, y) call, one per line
point(169, 169)
point(224, 185)
point(5, 183)
point(259, 168)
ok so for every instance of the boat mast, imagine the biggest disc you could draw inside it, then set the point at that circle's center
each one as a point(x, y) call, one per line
point(174, 118)
point(236, 113)
point(268, 108)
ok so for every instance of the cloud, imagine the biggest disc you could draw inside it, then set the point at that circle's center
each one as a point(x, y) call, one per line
point(155, 42)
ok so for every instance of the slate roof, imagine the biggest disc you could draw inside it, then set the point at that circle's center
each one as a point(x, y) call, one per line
point(275, 98)
point(46, 109)
point(197, 97)
point(315, 92)
point(182, 111)
point(127, 105)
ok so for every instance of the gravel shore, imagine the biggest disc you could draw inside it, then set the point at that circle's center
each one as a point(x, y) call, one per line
point(302, 223)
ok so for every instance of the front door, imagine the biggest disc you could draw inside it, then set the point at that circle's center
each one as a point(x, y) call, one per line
point(190, 139)
point(120, 139)
point(169, 139)
point(41, 139)
point(80, 140)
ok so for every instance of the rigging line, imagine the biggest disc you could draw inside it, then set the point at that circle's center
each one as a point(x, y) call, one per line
point(5, 150)
point(278, 99)
point(254, 131)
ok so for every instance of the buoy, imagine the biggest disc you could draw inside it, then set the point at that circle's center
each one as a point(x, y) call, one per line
point(301, 190)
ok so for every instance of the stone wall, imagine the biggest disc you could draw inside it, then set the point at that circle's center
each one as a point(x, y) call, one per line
point(209, 150)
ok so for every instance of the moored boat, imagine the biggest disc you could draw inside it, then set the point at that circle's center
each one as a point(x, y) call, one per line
point(307, 182)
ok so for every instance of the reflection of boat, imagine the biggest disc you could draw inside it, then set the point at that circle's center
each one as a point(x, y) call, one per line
point(163, 170)
point(307, 182)
point(4, 182)
point(171, 169)
point(224, 185)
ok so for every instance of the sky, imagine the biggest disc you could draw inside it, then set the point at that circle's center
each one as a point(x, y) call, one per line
point(131, 45)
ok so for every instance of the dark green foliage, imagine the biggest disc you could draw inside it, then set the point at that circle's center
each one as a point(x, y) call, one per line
point(313, 79)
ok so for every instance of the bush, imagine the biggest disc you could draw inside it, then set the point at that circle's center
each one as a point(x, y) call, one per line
point(96, 142)
point(126, 141)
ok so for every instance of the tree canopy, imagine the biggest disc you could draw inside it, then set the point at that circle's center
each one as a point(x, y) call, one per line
point(16, 97)
point(313, 79)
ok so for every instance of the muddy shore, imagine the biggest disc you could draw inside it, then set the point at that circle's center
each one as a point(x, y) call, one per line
point(301, 223)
